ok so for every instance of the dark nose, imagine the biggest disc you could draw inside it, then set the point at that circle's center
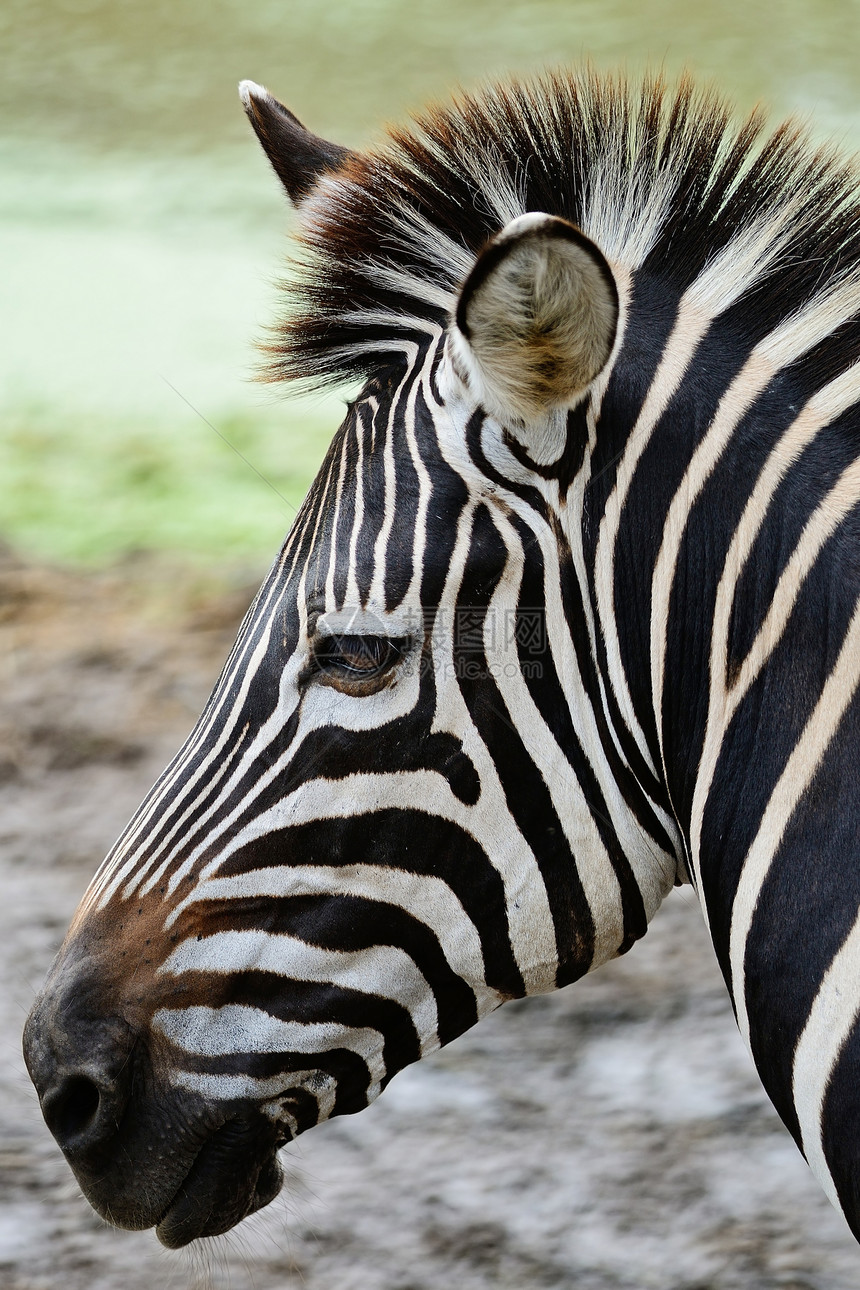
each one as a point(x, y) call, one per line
point(83, 1108)
point(81, 1066)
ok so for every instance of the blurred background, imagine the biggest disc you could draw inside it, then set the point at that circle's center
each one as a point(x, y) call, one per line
point(612, 1136)
point(141, 229)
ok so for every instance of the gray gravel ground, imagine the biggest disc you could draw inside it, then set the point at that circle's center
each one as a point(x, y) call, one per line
point(611, 1135)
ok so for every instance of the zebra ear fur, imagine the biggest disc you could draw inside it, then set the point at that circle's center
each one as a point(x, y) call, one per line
point(536, 318)
point(298, 157)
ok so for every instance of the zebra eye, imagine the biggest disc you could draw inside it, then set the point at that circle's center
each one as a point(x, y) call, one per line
point(356, 656)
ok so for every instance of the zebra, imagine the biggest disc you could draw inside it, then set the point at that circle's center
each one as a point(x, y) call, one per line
point(569, 616)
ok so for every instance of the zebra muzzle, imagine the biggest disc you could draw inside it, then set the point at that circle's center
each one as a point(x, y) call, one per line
point(146, 1152)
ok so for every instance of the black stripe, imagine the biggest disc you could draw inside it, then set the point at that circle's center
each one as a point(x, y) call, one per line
point(765, 729)
point(526, 793)
point(549, 697)
point(806, 908)
point(410, 840)
point(351, 923)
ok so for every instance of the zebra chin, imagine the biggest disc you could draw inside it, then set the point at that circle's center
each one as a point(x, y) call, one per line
point(234, 1173)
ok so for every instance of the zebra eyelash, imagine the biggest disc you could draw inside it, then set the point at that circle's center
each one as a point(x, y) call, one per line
point(353, 660)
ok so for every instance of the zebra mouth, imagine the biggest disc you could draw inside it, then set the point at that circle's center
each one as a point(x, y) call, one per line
point(235, 1173)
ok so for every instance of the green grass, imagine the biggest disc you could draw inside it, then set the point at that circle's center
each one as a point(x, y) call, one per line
point(88, 491)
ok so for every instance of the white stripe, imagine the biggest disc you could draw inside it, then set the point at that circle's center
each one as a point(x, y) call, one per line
point(788, 342)
point(423, 896)
point(720, 284)
point(412, 596)
point(832, 1018)
point(377, 586)
point(236, 1028)
point(588, 854)
point(229, 1088)
point(788, 792)
point(678, 354)
point(330, 602)
point(489, 822)
point(381, 970)
point(351, 596)
point(829, 403)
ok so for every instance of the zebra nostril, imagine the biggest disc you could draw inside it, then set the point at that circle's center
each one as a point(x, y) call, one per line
point(73, 1109)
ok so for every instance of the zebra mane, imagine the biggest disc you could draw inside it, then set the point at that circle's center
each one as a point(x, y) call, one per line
point(661, 178)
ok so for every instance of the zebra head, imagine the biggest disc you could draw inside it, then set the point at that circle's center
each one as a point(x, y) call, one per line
point(471, 730)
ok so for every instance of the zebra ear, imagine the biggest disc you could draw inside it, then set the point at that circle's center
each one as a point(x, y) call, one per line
point(536, 319)
point(298, 157)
